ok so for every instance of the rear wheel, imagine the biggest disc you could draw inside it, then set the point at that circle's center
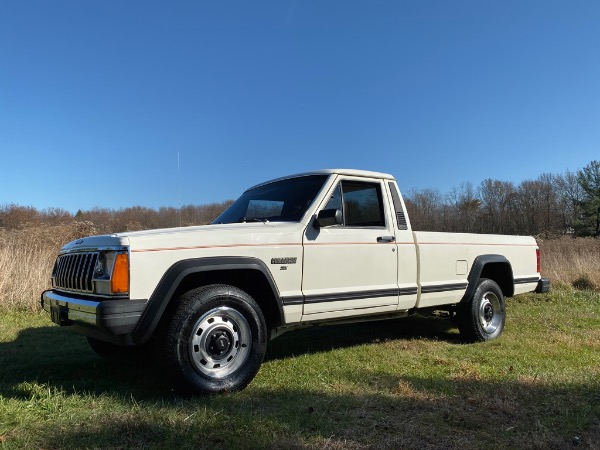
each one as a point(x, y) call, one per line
point(482, 318)
point(216, 340)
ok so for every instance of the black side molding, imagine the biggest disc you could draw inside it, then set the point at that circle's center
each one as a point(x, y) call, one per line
point(526, 280)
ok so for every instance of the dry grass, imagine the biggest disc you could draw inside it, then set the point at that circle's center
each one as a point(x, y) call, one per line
point(26, 259)
point(27, 256)
point(572, 262)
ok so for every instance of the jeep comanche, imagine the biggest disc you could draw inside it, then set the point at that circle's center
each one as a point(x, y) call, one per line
point(327, 246)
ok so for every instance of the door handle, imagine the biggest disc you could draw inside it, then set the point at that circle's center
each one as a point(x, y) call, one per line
point(386, 239)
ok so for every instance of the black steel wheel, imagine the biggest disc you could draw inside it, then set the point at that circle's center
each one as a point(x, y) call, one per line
point(482, 318)
point(216, 340)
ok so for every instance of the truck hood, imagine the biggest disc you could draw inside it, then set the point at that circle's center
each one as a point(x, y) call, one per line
point(92, 243)
point(239, 234)
point(253, 233)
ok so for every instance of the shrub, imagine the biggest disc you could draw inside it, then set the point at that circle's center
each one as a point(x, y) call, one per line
point(584, 283)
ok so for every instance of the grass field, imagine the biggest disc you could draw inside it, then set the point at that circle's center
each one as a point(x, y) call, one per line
point(407, 383)
point(397, 384)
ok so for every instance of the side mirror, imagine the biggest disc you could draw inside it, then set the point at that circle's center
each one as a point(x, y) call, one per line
point(328, 217)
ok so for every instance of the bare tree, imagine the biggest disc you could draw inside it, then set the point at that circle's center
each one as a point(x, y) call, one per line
point(497, 198)
point(425, 209)
point(465, 204)
point(14, 216)
point(549, 220)
point(589, 179)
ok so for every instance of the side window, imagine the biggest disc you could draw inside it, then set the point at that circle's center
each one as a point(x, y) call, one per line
point(361, 203)
point(363, 206)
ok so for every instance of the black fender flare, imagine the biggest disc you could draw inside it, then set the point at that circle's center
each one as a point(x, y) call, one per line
point(477, 269)
point(167, 286)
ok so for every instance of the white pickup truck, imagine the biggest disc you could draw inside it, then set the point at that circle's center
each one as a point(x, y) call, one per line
point(318, 247)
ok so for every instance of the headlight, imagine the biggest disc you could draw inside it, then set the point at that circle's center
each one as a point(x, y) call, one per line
point(111, 274)
point(102, 269)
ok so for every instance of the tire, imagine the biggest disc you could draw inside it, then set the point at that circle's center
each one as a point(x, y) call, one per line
point(216, 340)
point(483, 316)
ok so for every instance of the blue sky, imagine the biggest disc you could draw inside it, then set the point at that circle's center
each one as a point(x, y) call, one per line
point(98, 99)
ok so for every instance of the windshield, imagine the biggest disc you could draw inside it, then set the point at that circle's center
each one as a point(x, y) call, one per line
point(280, 201)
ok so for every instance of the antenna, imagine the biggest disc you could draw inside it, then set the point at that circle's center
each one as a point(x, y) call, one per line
point(179, 188)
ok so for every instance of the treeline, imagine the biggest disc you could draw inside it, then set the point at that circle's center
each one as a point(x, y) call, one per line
point(106, 220)
point(550, 205)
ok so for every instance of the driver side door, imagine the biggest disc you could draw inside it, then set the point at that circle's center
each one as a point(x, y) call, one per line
point(351, 268)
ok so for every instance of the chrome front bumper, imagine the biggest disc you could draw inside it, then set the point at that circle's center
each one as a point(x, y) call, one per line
point(94, 318)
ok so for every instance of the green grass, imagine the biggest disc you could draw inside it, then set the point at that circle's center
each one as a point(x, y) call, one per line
point(407, 383)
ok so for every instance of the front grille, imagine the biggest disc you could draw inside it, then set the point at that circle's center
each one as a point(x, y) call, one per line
point(74, 272)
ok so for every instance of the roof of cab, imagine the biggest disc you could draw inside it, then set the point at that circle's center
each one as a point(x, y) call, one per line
point(348, 172)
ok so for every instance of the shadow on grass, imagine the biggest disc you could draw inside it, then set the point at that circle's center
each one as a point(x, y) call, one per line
point(398, 413)
point(63, 359)
point(384, 411)
point(323, 338)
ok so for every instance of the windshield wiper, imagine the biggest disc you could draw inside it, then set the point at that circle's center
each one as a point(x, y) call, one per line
point(254, 219)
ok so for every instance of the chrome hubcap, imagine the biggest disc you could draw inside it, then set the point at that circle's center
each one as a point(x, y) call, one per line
point(220, 343)
point(490, 313)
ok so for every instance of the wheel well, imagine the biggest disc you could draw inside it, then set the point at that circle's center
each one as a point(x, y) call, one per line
point(501, 273)
point(251, 281)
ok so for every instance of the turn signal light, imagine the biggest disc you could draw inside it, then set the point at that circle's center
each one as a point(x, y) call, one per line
point(119, 282)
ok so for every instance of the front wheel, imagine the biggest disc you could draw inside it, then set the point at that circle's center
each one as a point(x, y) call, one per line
point(483, 316)
point(216, 340)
